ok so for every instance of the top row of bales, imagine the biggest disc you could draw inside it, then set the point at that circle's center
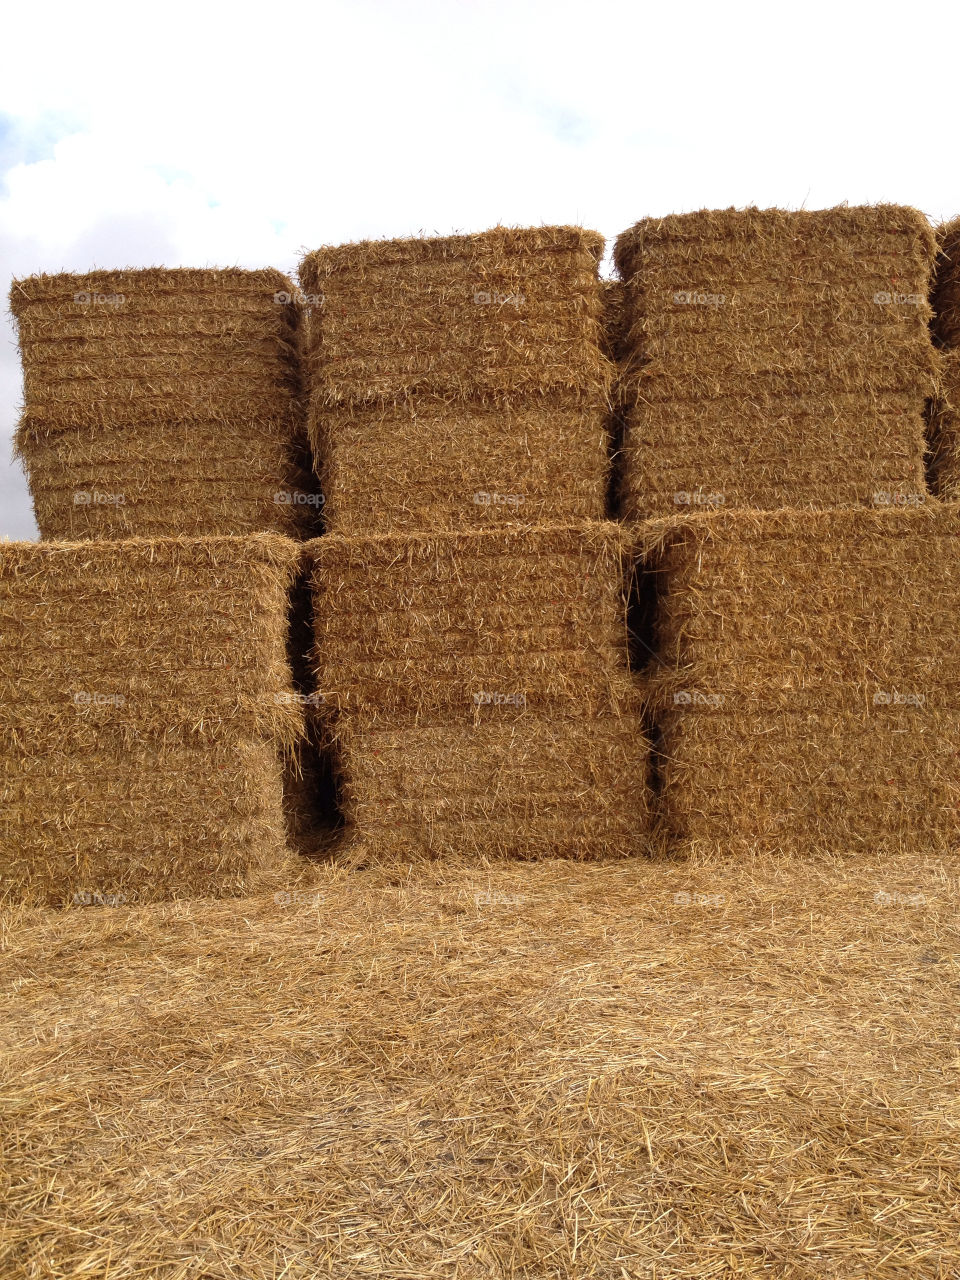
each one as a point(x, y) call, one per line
point(765, 359)
point(163, 402)
point(459, 383)
point(776, 359)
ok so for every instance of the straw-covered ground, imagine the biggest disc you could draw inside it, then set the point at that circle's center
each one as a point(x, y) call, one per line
point(616, 1070)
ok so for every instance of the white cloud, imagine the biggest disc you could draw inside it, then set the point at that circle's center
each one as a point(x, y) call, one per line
point(222, 135)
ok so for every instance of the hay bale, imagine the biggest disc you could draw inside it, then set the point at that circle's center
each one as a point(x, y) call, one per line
point(145, 695)
point(432, 464)
point(163, 402)
point(492, 316)
point(944, 468)
point(531, 787)
point(495, 622)
point(807, 692)
point(459, 382)
point(775, 359)
point(946, 292)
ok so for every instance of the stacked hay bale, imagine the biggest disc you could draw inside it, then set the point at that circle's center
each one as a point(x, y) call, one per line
point(945, 410)
point(160, 403)
point(459, 382)
point(775, 359)
point(808, 696)
point(485, 706)
point(144, 694)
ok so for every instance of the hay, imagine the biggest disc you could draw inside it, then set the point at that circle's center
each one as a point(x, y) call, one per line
point(944, 467)
point(530, 787)
point(775, 359)
point(454, 466)
point(806, 694)
point(614, 317)
point(410, 628)
point(490, 317)
point(459, 382)
point(478, 693)
point(163, 403)
point(946, 293)
point(621, 1070)
point(145, 694)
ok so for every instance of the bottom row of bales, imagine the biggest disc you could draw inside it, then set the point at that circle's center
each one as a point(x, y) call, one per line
point(794, 687)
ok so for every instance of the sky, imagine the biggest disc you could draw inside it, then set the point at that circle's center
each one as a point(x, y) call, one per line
point(207, 134)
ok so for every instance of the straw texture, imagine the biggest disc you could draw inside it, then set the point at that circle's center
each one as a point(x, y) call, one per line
point(420, 626)
point(146, 697)
point(479, 690)
point(160, 403)
point(459, 382)
point(530, 788)
point(547, 1071)
point(808, 687)
point(775, 359)
point(456, 465)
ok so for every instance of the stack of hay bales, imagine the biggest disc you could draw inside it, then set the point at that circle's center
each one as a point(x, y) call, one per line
point(808, 696)
point(485, 706)
point(469, 599)
point(459, 382)
point(945, 418)
point(164, 402)
point(144, 693)
point(775, 359)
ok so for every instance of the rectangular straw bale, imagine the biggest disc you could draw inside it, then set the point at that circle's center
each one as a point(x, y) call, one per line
point(809, 686)
point(455, 465)
point(500, 622)
point(489, 316)
point(143, 817)
point(183, 480)
point(160, 403)
point(945, 430)
point(774, 358)
point(162, 346)
point(145, 699)
point(537, 787)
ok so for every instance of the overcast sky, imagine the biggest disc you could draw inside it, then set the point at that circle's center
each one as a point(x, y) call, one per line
point(196, 134)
